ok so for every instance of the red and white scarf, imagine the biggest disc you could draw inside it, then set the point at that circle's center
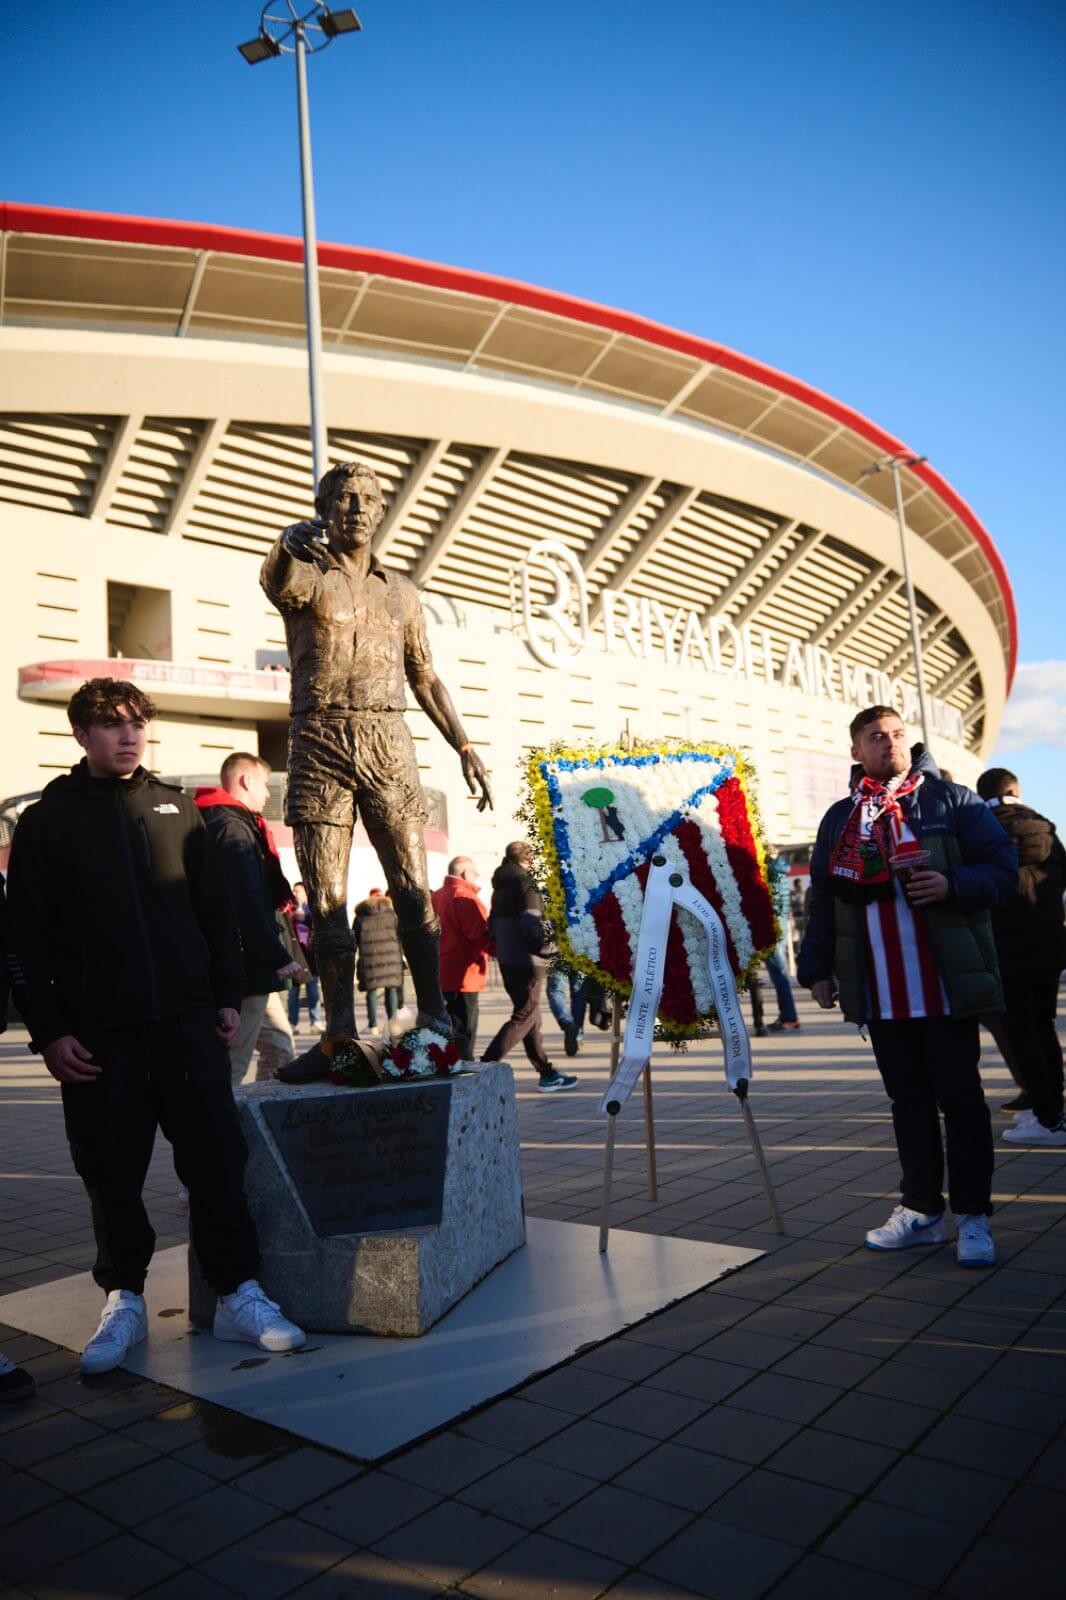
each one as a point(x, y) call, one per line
point(875, 832)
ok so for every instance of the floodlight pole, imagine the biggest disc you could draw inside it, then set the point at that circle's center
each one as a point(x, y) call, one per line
point(893, 464)
point(319, 445)
point(283, 30)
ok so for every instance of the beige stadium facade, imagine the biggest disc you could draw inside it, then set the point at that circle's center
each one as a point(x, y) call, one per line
point(614, 525)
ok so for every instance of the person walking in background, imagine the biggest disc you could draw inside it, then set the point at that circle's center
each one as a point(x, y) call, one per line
point(786, 1021)
point(125, 963)
point(465, 947)
point(301, 923)
point(566, 993)
point(232, 814)
point(516, 923)
point(903, 874)
point(1031, 945)
point(379, 957)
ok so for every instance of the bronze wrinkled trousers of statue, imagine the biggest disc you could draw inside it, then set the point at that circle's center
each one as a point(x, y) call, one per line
point(356, 636)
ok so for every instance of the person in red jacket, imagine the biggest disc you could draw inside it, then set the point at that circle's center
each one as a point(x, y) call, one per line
point(465, 947)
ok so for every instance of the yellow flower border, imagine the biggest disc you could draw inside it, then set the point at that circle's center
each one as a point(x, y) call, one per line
point(556, 899)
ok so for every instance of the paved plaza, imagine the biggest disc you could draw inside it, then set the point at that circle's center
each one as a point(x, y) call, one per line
point(827, 1422)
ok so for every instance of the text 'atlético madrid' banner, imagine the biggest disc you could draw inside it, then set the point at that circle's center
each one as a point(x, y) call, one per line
point(600, 817)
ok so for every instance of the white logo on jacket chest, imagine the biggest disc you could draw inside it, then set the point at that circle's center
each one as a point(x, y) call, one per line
point(167, 809)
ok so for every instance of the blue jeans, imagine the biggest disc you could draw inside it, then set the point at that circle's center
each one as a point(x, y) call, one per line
point(392, 1004)
point(786, 1006)
point(566, 999)
point(312, 1001)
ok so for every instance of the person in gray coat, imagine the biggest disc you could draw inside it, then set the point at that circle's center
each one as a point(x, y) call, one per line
point(516, 923)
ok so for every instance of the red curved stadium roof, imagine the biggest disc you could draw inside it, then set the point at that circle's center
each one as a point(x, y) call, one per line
point(198, 236)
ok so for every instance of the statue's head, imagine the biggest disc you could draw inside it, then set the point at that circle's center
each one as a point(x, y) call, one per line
point(351, 503)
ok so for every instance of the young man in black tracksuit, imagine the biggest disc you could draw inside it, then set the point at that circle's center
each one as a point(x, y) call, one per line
point(126, 967)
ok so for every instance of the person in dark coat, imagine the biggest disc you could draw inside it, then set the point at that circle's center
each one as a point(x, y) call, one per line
point(15, 1382)
point(1031, 944)
point(517, 927)
point(379, 957)
point(257, 886)
point(904, 872)
point(125, 963)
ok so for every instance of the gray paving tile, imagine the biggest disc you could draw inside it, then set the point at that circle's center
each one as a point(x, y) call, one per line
point(88, 1464)
point(842, 1369)
point(449, 1542)
point(1049, 1470)
point(819, 1578)
point(966, 1441)
point(642, 1586)
point(936, 1387)
point(540, 1568)
point(868, 1416)
point(21, 1495)
point(614, 1522)
point(135, 1498)
point(830, 1459)
point(738, 1435)
point(198, 1528)
point(122, 1566)
point(935, 1488)
point(699, 1378)
point(655, 1412)
point(793, 1399)
point(593, 1448)
point(1034, 1518)
point(50, 1436)
point(366, 1575)
point(787, 1509)
point(374, 1504)
point(515, 1425)
point(993, 1400)
point(43, 1538)
point(993, 1569)
point(713, 1559)
point(189, 1585)
point(276, 1559)
point(527, 1491)
point(626, 1358)
point(575, 1389)
point(883, 1538)
point(691, 1479)
point(297, 1478)
point(746, 1348)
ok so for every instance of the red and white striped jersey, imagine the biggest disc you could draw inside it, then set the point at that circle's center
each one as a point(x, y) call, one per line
point(901, 972)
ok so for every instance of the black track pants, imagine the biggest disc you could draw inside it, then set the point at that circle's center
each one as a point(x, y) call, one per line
point(172, 1075)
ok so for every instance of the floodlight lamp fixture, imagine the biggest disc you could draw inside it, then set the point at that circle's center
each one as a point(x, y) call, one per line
point(261, 48)
point(334, 23)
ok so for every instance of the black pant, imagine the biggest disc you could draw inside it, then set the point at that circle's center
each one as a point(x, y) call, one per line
point(173, 1075)
point(927, 1063)
point(524, 986)
point(463, 1010)
point(1030, 1004)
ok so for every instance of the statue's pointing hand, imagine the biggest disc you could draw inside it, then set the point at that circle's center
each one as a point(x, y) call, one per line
point(477, 778)
point(307, 541)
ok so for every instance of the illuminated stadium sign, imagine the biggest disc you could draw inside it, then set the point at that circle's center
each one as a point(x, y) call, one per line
point(561, 626)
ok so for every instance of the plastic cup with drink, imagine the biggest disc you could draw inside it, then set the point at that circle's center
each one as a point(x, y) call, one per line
point(907, 859)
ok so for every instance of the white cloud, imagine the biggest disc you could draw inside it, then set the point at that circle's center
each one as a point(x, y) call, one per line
point(1036, 711)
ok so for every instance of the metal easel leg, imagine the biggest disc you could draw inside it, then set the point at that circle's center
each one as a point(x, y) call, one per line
point(649, 1136)
point(741, 1092)
point(613, 1109)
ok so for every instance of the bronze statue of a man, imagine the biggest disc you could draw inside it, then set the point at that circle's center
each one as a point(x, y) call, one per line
point(356, 636)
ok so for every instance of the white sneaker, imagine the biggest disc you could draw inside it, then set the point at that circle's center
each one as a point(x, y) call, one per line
point(1035, 1133)
point(974, 1246)
point(905, 1229)
point(123, 1324)
point(1024, 1119)
point(248, 1316)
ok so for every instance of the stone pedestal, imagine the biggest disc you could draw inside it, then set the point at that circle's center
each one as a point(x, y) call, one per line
point(307, 1145)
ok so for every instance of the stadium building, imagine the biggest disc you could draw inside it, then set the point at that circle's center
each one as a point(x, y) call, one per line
point(614, 525)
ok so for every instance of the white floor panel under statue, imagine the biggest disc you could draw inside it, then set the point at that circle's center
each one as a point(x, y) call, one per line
point(368, 1396)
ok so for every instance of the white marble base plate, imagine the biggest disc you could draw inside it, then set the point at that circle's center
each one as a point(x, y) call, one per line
point(367, 1397)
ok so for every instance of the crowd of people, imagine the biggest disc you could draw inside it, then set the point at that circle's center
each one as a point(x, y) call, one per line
point(150, 939)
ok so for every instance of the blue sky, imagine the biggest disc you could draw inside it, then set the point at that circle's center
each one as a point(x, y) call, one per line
point(870, 197)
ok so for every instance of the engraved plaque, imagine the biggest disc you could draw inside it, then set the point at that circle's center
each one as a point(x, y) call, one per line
point(367, 1161)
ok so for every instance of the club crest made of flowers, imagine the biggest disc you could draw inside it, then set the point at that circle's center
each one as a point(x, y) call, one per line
point(599, 813)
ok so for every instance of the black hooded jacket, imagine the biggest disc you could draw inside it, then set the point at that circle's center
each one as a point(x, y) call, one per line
point(117, 909)
point(1028, 923)
point(516, 918)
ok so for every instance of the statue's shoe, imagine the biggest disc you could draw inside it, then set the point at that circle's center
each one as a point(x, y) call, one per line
point(312, 1067)
point(439, 1024)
